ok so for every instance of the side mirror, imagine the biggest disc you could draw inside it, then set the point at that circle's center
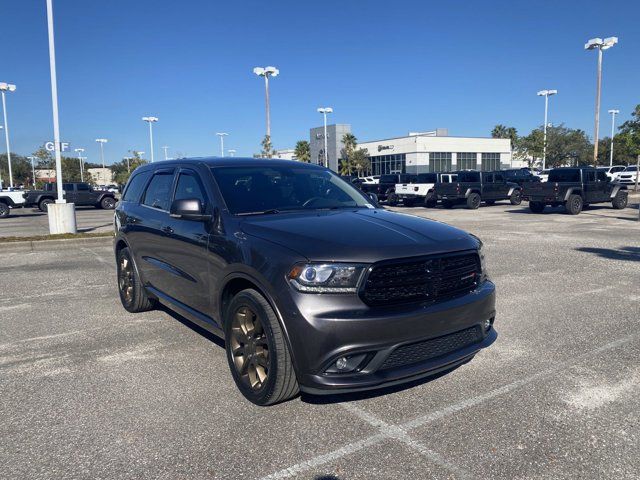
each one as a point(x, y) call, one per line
point(188, 209)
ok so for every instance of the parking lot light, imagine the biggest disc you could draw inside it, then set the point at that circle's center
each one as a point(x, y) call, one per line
point(613, 113)
point(267, 72)
point(546, 94)
point(232, 152)
point(222, 135)
point(4, 88)
point(150, 121)
point(102, 141)
point(600, 45)
point(33, 171)
point(324, 111)
point(165, 148)
point(80, 151)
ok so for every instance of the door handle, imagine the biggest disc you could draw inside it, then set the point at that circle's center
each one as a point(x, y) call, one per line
point(167, 229)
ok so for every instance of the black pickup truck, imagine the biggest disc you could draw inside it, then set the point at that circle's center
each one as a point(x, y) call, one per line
point(82, 194)
point(475, 187)
point(575, 188)
point(386, 184)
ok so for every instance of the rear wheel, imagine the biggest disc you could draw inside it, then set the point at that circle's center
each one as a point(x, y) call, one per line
point(516, 197)
point(108, 203)
point(536, 207)
point(133, 296)
point(4, 210)
point(620, 200)
point(574, 204)
point(430, 201)
point(392, 199)
point(257, 352)
point(44, 204)
point(473, 201)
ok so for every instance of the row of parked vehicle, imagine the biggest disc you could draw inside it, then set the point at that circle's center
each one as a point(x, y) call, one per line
point(574, 187)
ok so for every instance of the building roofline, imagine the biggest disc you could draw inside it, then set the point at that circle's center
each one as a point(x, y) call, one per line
point(429, 136)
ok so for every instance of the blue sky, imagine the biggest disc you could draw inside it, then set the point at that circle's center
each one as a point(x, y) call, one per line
point(385, 67)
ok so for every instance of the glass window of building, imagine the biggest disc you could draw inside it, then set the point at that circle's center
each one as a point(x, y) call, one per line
point(440, 162)
point(490, 161)
point(388, 164)
point(467, 161)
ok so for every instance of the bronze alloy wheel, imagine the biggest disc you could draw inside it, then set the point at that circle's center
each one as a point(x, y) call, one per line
point(249, 347)
point(125, 279)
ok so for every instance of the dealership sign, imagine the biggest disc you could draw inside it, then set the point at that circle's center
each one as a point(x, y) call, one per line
point(50, 146)
point(385, 147)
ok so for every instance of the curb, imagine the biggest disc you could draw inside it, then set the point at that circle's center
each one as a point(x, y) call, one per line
point(54, 245)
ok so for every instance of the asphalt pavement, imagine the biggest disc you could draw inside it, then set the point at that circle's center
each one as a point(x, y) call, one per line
point(26, 222)
point(88, 390)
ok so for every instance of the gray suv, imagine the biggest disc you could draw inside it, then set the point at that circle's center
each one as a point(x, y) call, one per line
point(312, 286)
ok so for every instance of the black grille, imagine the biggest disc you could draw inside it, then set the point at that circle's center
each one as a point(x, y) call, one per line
point(425, 279)
point(428, 349)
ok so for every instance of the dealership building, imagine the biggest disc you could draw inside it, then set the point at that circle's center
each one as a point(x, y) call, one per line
point(418, 152)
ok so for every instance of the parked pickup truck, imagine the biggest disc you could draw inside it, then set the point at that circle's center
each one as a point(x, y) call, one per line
point(421, 190)
point(474, 187)
point(82, 194)
point(386, 184)
point(10, 199)
point(575, 188)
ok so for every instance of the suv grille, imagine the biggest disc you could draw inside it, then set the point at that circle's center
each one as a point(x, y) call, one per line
point(425, 279)
point(428, 349)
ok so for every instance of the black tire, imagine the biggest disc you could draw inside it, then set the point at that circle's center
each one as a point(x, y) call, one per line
point(447, 204)
point(620, 200)
point(44, 204)
point(269, 378)
point(574, 204)
point(473, 201)
point(133, 295)
point(108, 203)
point(516, 197)
point(5, 211)
point(409, 202)
point(536, 207)
point(430, 201)
point(392, 199)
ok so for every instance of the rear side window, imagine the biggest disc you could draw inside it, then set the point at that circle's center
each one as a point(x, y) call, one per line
point(468, 177)
point(427, 178)
point(590, 176)
point(189, 187)
point(159, 191)
point(135, 186)
point(564, 176)
point(499, 178)
point(602, 176)
point(389, 179)
point(83, 187)
point(487, 177)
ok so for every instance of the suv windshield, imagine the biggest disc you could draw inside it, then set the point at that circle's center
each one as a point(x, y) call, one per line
point(562, 175)
point(254, 190)
point(631, 168)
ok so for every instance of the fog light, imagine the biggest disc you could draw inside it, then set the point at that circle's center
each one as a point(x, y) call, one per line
point(346, 364)
point(486, 325)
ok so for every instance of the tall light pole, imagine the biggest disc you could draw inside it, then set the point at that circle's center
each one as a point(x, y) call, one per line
point(79, 151)
point(33, 171)
point(165, 148)
point(324, 111)
point(267, 72)
point(102, 141)
point(232, 152)
point(600, 45)
point(546, 94)
point(150, 121)
point(4, 88)
point(613, 113)
point(222, 135)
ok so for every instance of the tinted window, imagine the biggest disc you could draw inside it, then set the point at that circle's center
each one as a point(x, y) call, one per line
point(499, 178)
point(159, 191)
point(189, 187)
point(617, 169)
point(487, 177)
point(135, 186)
point(561, 175)
point(388, 179)
point(631, 169)
point(589, 176)
point(83, 187)
point(469, 177)
point(67, 186)
point(407, 178)
point(257, 189)
point(427, 178)
point(602, 176)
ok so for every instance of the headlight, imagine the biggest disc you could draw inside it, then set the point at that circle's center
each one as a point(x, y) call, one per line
point(483, 262)
point(326, 277)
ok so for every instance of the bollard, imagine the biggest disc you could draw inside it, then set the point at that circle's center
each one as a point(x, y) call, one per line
point(62, 218)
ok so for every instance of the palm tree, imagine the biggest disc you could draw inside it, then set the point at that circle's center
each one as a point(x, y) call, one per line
point(345, 167)
point(267, 150)
point(350, 143)
point(499, 131)
point(303, 151)
point(360, 161)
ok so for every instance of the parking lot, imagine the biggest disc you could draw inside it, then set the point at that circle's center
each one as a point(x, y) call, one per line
point(90, 391)
point(25, 222)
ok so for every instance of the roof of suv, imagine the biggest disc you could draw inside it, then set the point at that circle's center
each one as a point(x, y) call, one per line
point(233, 162)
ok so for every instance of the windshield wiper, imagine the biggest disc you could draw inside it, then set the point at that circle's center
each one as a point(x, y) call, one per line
point(260, 212)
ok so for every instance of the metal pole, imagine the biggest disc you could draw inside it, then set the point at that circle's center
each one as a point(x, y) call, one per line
point(326, 157)
point(33, 173)
point(222, 145)
point(129, 165)
point(613, 123)
point(266, 89)
point(6, 136)
point(597, 126)
point(102, 155)
point(544, 147)
point(165, 152)
point(151, 139)
point(82, 168)
point(54, 101)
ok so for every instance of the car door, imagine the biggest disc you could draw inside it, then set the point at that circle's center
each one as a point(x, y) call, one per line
point(603, 187)
point(488, 188)
point(69, 192)
point(185, 246)
point(500, 186)
point(590, 186)
point(83, 194)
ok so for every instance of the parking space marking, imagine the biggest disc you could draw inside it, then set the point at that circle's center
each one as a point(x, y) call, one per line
point(100, 258)
point(398, 432)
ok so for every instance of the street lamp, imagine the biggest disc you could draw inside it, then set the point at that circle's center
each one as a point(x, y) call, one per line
point(4, 88)
point(232, 152)
point(324, 112)
point(33, 171)
point(150, 121)
point(546, 94)
point(79, 151)
point(267, 72)
point(165, 148)
point(222, 135)
point(102, 141)
point(600, 45)
point(613, 113)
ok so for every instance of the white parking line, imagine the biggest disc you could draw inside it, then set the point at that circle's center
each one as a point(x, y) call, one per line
point(398, 432)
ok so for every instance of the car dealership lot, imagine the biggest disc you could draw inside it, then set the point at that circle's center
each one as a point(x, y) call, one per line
point(89, 390)
point(25, 222)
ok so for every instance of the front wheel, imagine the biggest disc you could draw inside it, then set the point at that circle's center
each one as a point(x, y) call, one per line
point(473, 201)
point(574, 204)
point(431, 202)
point(392, 199)
point(516, 197)
point(44, 204)
point(257, 351)
point(4, 210)
point(620, 200)
point(108, 203)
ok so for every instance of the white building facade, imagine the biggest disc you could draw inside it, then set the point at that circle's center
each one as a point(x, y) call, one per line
point(437, 152)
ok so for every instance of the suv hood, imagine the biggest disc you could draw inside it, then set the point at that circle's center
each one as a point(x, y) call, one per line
point(359, 235)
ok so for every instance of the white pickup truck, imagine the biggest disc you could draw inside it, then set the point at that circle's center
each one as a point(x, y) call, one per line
point(421, 189)
point(10, 199)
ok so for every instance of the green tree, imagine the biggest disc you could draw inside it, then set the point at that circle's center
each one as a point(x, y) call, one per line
point(501, 131)
point(360, 161)
point(303, 151)
point(20, 170)
point(628, 140)
point(122, 170)
point(267, 148)
point(350, 143)
point(345, 167)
